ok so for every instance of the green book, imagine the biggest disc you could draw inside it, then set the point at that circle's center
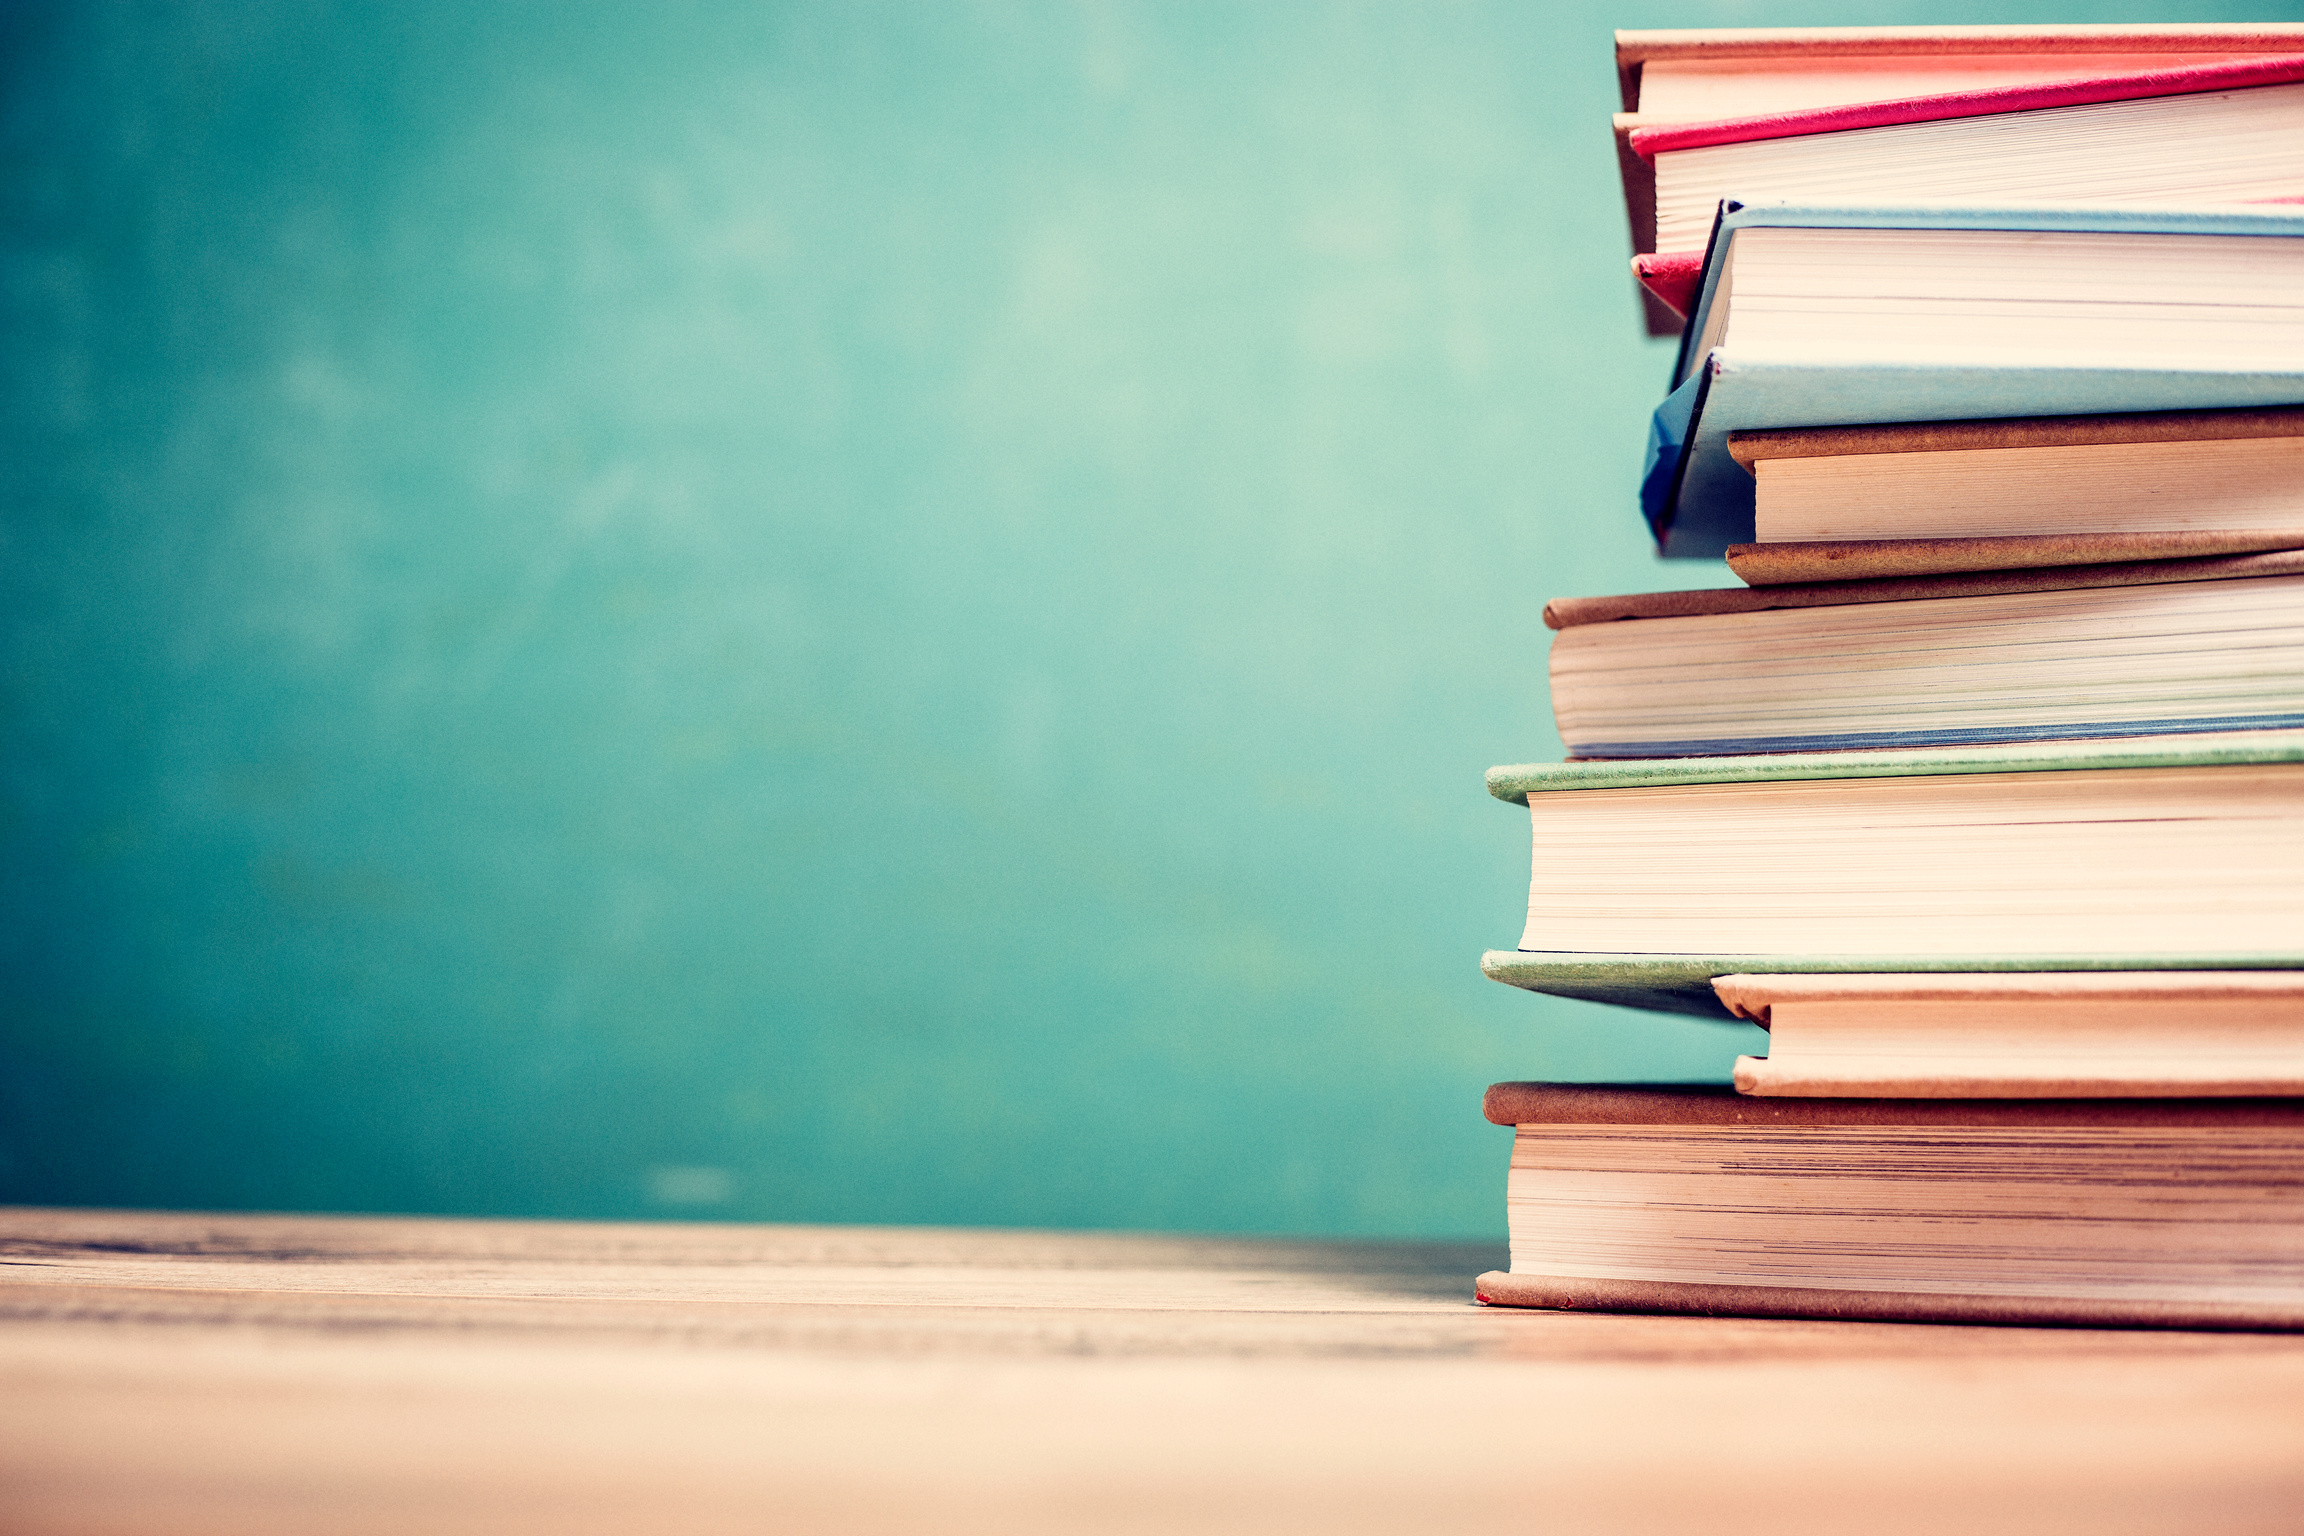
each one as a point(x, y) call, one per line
point(2153, 853)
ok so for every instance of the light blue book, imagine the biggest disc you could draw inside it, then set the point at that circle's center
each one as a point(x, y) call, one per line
point(1816, 316)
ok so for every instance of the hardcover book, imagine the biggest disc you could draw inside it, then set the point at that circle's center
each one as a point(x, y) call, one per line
point(2166, 853)
point(2215, 475)
point(1767, 72)
point(1844, 316)
point(2168, 1213)
point(2064, 665)
point(2205, 133)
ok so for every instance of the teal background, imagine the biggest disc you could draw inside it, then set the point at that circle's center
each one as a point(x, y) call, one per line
point(802, 611)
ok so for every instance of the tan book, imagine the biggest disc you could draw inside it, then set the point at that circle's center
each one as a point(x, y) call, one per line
point(2183, 1213)
point(1954, 660)
point(2217, 476)
point(2097, 1034)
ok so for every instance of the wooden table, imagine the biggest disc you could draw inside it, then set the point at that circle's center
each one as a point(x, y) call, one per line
point(251, 1374)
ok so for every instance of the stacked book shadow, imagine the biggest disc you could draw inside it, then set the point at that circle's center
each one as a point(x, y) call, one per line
point(1984, 793)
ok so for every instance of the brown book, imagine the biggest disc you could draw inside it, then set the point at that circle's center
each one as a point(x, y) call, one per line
point(2178, 1213)
point(2003, 1035)
point(2142, 481)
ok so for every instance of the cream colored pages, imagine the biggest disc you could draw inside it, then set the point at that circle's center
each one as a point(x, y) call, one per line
point(2171, 1214)
point(2109, 1223)
point(1810, 296)
point(2109, 661)
point(2200, 863)
point(2041, 1049)
point(2086, 1035)
point(1680, 90)
point(2217, 485)
point(2210, 146)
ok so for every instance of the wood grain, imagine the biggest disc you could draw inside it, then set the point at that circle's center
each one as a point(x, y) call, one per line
point(189, 1373)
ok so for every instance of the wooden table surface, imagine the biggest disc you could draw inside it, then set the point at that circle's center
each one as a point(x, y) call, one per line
point(253, 1374)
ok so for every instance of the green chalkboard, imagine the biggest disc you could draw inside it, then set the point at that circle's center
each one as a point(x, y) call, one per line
point(829, 612)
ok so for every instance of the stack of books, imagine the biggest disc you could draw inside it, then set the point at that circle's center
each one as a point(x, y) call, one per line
point(1985, 794)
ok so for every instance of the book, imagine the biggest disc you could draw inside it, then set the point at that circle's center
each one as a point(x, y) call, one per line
point(1849, 315)
point(2184, 847)
point(2182, 1213)
point(1977, 1035)
point(2204, 132)
point(2214, 473)
point(1746, 71)
point(1937, 671)
point(1742, 72)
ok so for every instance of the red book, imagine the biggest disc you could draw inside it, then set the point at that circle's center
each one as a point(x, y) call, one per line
point(2224, 129)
